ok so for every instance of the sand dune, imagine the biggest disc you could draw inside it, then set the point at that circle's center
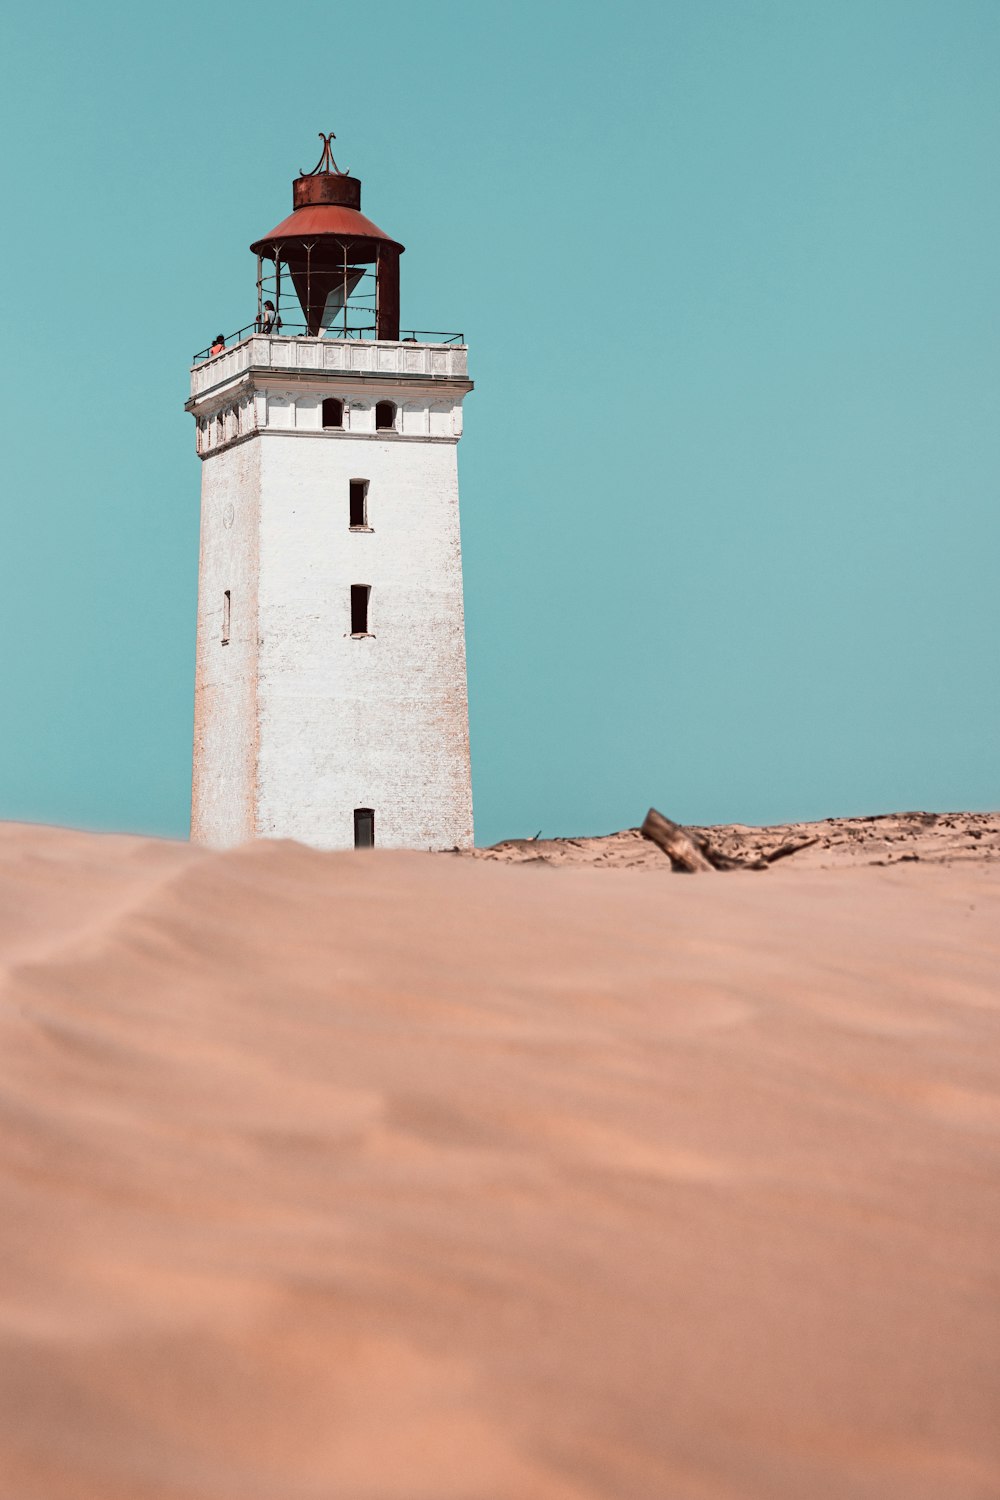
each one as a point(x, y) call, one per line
point(837, 843)
point(405, 1177)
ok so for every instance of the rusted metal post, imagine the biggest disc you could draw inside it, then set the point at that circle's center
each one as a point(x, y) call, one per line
point(387, 294)
point(277, 288)
point(309, 301)
point(345, 289)
point(260, 293)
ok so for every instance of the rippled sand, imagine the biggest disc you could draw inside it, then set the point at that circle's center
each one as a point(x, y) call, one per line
point(406, 1177)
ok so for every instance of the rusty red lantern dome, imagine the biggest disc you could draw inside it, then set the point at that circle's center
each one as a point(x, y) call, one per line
point(326, 243)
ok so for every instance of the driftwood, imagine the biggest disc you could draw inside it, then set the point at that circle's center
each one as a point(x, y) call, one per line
point(687, 852)
point(690, 853)
point(792, 847)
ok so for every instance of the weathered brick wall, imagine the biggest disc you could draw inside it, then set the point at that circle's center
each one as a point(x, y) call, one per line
point(225, 716)
point(297, 722)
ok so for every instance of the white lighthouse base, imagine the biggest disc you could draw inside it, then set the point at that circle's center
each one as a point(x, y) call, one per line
point(302, 720)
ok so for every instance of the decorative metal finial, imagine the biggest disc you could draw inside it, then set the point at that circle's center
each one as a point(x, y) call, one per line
point(326, 162)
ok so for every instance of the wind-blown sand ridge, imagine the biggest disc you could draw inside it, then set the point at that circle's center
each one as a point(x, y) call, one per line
point(409, 1177)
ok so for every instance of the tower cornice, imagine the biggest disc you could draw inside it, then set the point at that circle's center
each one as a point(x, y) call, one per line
point(269, 377)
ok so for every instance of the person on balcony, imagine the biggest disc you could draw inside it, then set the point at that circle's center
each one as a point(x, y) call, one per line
point(269, 320)
point(219, 344)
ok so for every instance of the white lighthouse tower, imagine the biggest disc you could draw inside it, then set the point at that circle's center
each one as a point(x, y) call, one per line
point(330, 700)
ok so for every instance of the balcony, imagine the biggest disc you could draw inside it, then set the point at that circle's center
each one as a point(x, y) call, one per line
point(440, 355)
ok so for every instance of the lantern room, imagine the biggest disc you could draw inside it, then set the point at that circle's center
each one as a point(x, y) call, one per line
point(339, 266)
point(326, 272)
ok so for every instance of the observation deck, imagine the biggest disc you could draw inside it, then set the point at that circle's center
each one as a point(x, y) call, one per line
point(445, 361)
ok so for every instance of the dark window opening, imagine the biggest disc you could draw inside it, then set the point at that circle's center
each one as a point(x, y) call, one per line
point(364, 828)
point(359, 608)
point(333, 412)
point(385, 416)
point(226, 608)
point(359, 504)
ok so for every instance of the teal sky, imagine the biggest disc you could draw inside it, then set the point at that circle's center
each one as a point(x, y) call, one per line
point(729, 276)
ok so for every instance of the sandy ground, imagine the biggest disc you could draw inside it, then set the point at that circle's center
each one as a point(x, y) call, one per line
point(889, 839)
point(403, 1177)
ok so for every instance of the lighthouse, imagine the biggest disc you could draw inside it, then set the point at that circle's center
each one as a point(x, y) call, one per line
point(330, 696)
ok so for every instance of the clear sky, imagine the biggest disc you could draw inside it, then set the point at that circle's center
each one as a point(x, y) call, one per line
point(730, 276)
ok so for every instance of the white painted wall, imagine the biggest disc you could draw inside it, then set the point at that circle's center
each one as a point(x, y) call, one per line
point(225, 711)
point(298, 724)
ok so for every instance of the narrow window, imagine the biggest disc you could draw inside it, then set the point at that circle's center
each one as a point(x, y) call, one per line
point(333, 412)
point(226, 604)
point(359, 608)
point(385, 416)
point(220, 427)
point(359, 504)
point(364, 828)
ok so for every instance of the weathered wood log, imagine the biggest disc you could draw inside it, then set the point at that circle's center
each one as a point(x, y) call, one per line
point(685, 851)
point(792, 847)
point(691, 853)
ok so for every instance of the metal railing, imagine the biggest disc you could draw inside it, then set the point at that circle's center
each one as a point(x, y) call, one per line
point(283, 330)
